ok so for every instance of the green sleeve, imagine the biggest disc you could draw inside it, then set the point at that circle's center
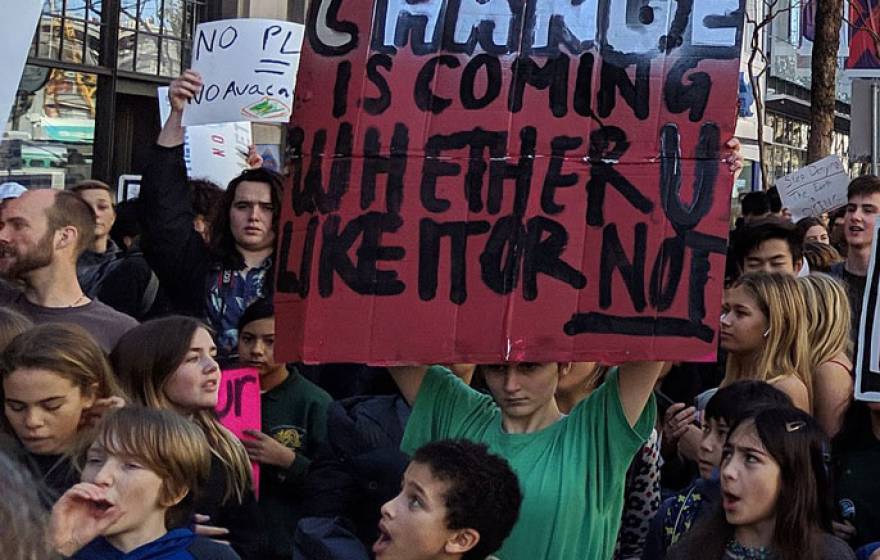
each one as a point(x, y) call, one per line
point(603, 426)
point(446, 408)
point(316, 401)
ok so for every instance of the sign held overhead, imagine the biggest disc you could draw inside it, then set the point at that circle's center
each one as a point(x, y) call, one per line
point(489, 181)
point(815, 189)
point(249, 67)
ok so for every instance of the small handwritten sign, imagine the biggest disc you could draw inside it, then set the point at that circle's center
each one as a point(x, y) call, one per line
point(815, 189)
point(238, 406)
point(16, 32)
point(249, 70)
point(216, 152)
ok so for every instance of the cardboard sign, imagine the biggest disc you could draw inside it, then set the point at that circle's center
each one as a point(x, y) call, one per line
point(16, 33)
point(239, 408)
point(470, 183)
point(216, 152)
point(249, 70)
point(815, 189)
point(868, 349)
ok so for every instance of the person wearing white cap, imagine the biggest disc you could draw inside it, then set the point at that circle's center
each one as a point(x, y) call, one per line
point(10, 190)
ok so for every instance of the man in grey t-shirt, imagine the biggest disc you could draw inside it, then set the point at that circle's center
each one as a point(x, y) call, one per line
point(42, 234)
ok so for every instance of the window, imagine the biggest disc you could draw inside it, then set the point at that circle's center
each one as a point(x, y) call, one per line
point(51, 129)
point(69, 31)
point(154, 35)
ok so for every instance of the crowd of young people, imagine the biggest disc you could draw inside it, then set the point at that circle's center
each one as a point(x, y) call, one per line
point(116, 324)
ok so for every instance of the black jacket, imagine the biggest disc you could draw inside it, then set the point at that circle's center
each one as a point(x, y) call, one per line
point(360, 466)
point(175, 250)
point(244, 520)
point(196, 281)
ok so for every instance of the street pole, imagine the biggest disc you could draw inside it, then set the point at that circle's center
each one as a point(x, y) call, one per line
point(875, 127)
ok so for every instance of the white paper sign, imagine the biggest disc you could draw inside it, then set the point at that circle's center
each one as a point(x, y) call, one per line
point(868, 350)
point(16, 33)
point(216, 152)
point(814, 189)
point(249, 71)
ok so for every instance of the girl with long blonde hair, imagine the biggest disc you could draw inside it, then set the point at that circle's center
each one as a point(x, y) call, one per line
point(828, 329)
point(169, 364)
point(764, 331)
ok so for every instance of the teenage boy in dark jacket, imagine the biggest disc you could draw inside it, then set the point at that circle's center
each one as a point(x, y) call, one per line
point(214, 282)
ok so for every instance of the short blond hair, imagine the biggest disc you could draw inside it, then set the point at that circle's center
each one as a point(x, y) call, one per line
point(167, 444)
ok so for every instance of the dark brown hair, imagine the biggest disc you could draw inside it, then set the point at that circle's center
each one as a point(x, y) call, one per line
point(799, 446)
point(70, 209)
point(864, 185)
point(804, 224)
point(146, 357)
point(222, 241)
point(821, 256)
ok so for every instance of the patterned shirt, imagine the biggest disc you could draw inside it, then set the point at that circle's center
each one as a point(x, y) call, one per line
point(229, 293)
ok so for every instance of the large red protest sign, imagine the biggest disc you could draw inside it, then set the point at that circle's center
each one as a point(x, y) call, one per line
point(489, 180)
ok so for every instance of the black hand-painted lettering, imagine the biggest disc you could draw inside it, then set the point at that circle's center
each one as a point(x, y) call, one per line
point(410, 27)
point(521, 172)
point(553, 76)
point(583, 87)
point(378, 105)
point(600, 323)
point(363, 278)
point(340, 90)
point(290, 282)
point(491, 66)
point(500, 260)
point(434, 168)
point(324, 16)
point(555, 179)
point(300, 203)
point(675, 37)
point(666, 275)
point(687, 216)
point(394, 166)
point(636, 94)
point(607, 146)
point(680, 97)
point(632, 271)
point(543, 255)
point(423, 93)
point(431, 234)
point(482, 33)
point(314, 194)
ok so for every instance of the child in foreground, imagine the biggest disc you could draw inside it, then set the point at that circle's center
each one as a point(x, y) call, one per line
point(456, 501)
point(139, 479)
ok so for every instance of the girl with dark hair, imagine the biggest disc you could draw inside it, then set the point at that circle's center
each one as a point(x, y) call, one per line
point(775, 499)
point(169, 364)
point(218, 281)
point(856, 456)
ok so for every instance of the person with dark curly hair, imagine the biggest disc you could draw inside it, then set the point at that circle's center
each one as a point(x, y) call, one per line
point(457, 500)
